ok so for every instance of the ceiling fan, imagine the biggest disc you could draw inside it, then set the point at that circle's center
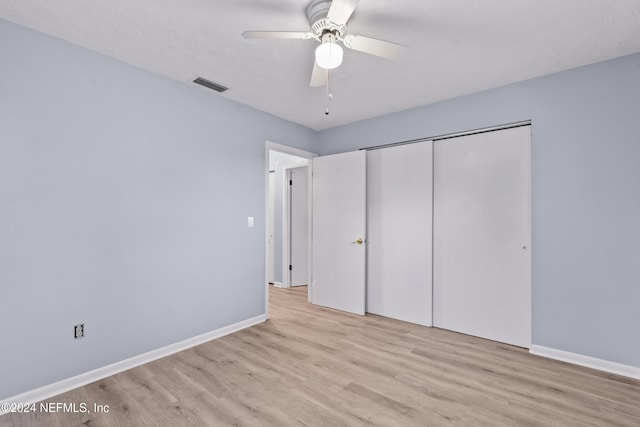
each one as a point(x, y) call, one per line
point(328, 21)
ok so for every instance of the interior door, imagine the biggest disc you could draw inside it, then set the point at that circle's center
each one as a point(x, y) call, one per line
point(339, 226)
point(298, 222)
point(482, 234)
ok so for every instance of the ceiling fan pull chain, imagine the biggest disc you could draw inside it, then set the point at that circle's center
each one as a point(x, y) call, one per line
point(329, 94)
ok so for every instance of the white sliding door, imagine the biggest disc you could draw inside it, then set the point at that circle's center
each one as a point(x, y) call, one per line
point(482, 233)
point(399, 210)
point(339, 226)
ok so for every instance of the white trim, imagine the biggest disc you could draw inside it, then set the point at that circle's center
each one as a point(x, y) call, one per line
point(310, 230)
point(289, 150)
point(284, 226)
point(65, 385)
point(587, 361)
point(278, 284)
point(271, 226)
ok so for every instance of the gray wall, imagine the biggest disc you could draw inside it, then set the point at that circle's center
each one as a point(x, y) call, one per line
point(586, 194)
point(124, 199)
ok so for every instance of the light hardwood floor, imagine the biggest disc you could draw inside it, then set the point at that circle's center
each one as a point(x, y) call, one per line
point(313, 366)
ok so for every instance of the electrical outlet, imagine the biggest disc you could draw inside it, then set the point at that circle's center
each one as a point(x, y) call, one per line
point(78, 331)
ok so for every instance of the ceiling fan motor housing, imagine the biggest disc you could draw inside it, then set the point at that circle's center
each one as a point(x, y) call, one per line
point(317, 13)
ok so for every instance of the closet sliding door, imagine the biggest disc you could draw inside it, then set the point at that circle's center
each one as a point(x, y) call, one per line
point(482, 233)
point(399, 209)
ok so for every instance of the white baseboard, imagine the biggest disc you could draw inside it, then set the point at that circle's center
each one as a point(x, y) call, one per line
point(51, 390)
point(587, 361)
point(278, 284)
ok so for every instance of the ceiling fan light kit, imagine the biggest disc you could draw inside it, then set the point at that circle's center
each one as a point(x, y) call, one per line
point(329, 53)
point(328, 22)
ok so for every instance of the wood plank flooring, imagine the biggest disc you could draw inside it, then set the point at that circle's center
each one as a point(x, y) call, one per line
point(314, 366)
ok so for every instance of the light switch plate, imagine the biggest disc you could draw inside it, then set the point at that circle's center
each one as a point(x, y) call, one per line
point(250, 222)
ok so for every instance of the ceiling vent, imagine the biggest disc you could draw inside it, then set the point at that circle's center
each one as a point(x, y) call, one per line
point(211, 85)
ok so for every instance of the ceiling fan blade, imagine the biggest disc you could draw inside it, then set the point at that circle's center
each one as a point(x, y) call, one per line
point(318, 76)
point(301, 35)
point(375, 47)
point(341, 10)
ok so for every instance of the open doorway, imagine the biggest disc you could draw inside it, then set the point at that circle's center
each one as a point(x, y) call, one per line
point(284, 213)
point(288, 228)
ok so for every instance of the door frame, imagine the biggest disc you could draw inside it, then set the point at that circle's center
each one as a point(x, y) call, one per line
point(270, 227)
point(269, 145)
point(286, 220)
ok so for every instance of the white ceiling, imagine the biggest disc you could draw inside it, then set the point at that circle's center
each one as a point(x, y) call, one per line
point(457, 47)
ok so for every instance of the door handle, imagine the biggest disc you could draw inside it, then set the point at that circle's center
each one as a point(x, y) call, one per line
point(359, 241)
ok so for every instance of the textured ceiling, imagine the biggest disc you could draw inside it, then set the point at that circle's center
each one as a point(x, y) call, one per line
point(456, 47)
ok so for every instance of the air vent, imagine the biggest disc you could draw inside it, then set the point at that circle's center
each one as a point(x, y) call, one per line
point(211, 85)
